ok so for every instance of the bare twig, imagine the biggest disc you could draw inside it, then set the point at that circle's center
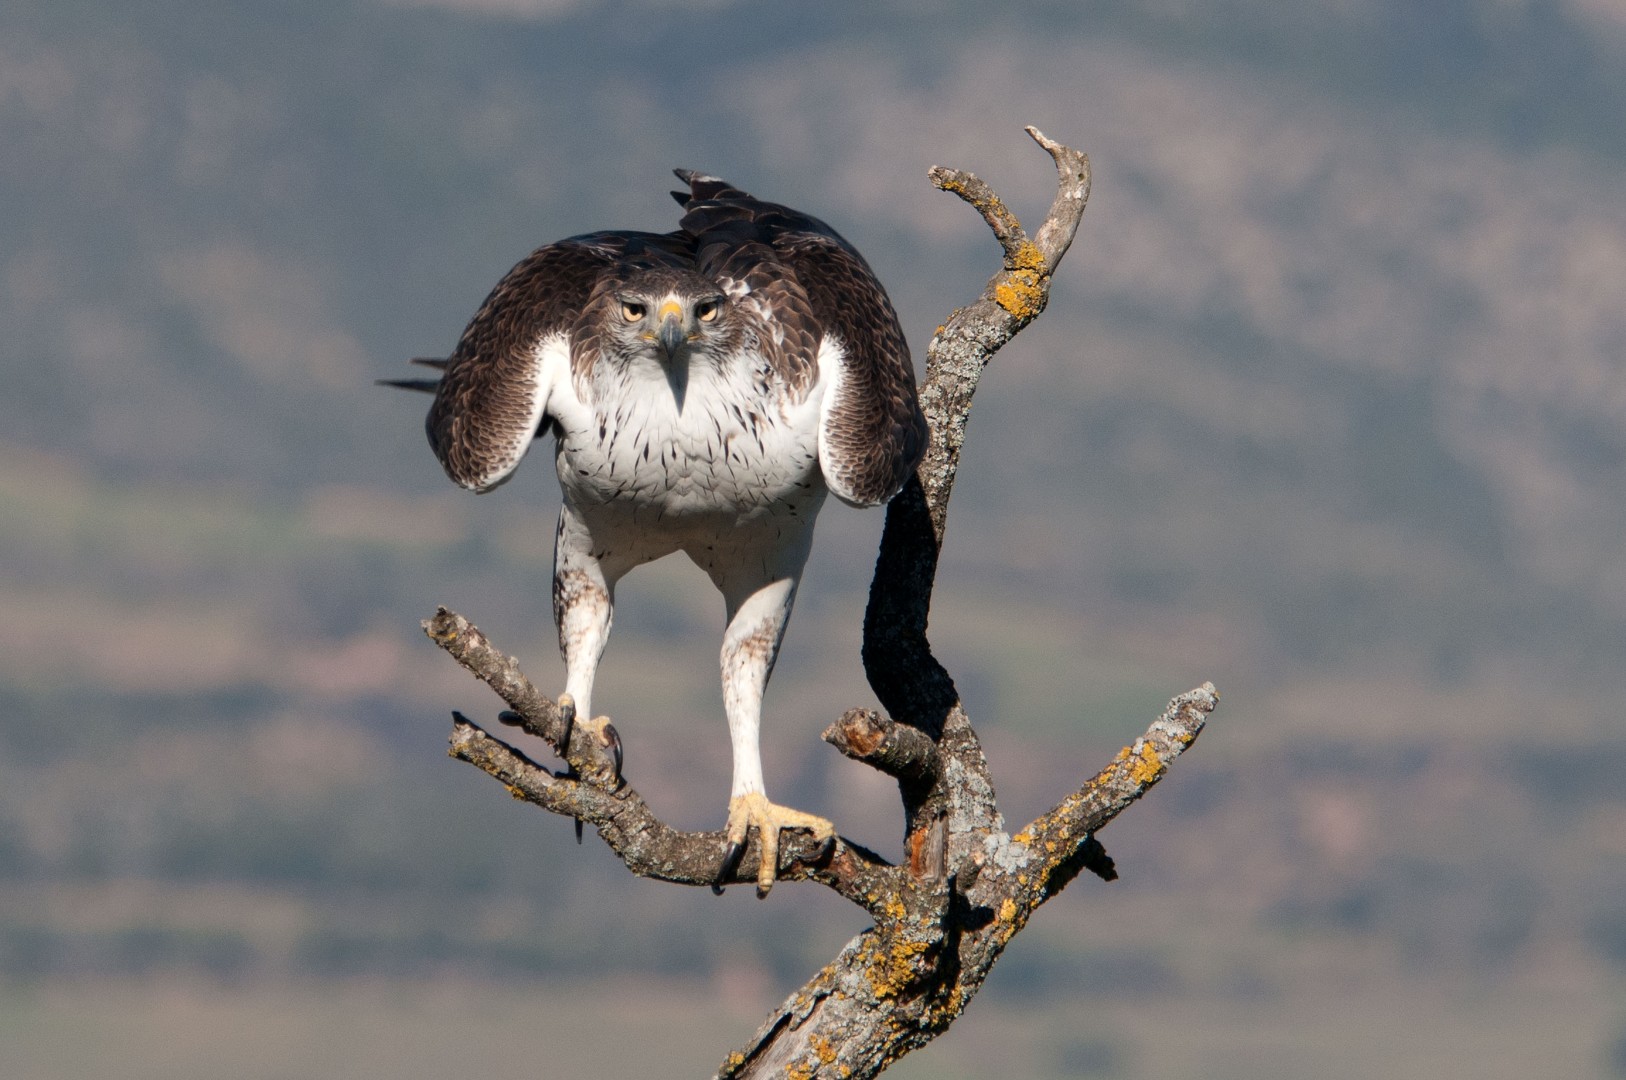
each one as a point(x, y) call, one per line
point(901, 752)
point(1012, 298)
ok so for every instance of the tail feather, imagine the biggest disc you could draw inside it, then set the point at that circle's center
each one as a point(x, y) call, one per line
point(427, 386)
point(703, 187)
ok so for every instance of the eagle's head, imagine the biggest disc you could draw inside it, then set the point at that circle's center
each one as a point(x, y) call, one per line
point(661, 324)
point(669, 315)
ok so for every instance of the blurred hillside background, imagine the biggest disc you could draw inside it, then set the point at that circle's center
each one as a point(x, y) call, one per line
point(1329, 407)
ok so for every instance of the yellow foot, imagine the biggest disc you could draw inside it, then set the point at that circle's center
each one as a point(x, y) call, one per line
point(753, 808)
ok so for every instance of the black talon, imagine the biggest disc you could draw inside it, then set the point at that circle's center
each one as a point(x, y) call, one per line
point(567, 722)
point(570, 773)
point(732, 855)
point(511, 718)
point(826, 849)
point(567, 713)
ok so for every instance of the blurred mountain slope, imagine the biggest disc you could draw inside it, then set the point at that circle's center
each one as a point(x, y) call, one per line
point(1329, 407)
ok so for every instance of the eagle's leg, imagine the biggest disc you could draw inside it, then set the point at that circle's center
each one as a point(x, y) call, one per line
point(757, 619)
point(583, 605)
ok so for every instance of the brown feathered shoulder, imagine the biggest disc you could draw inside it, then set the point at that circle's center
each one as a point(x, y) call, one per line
point(821, 293)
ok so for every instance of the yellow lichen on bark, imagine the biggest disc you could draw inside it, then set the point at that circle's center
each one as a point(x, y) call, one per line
point(1022, 291)
point(1007, 918)
point(955, 1002)
point(824, 1052)
point(991, 205)
point(1020, 294)
point(892, 969)
point(1027, 256)
point(945, 1009)
point(1148, 766)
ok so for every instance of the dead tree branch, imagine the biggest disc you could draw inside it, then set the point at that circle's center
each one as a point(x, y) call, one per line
point(966, 886)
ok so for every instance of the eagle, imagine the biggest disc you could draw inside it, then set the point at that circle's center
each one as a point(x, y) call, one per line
point(706, 389)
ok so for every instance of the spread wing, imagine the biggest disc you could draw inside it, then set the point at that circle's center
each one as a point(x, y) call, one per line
point(492, 399)
point(819, 296)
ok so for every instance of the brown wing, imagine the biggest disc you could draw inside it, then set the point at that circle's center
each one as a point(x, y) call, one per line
point(488, 405)
point(819, 289)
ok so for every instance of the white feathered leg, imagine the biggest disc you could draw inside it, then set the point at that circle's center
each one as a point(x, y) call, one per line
point(583, 607)
point(759, 606)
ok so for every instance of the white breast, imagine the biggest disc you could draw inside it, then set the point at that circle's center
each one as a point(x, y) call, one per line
point(733, 453)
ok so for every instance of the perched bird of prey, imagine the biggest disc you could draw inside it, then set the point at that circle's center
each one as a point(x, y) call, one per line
point(706, 388)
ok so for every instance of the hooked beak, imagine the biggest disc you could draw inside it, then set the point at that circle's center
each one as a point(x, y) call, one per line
point(672, 336)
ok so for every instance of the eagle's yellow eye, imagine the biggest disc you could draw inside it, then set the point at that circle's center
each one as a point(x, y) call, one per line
point(706, 310)
point(631, 312)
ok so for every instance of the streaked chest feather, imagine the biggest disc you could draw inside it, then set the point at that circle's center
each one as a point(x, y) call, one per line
point(731, 449)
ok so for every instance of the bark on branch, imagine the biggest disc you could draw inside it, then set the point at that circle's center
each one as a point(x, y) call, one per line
point(966, 886)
